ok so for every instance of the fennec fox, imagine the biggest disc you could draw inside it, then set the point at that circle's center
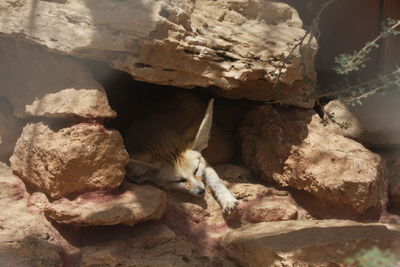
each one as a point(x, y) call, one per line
point(169, 155)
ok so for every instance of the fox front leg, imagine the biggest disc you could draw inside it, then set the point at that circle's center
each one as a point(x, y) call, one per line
point(225, 198)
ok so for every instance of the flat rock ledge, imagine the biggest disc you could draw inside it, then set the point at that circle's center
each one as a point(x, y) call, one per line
point(305, 243)
point(135, 204)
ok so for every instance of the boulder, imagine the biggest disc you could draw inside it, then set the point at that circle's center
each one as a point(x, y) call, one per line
point(39, 83)
point(237, 46)
point(137, 203)
point(294, 149)
point(75, 159)
point(374, 123)
point(148, 245)
point(27, 238)
point(268, 134)
point(306, 243)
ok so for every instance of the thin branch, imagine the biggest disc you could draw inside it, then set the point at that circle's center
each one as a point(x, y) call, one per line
point(310, 33)
point(369, 45)
point(350, 88)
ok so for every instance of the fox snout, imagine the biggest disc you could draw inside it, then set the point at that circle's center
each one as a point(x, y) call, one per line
point(191, 185)
point(198, 191)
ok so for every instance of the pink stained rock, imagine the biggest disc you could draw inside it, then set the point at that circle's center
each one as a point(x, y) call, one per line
point(27, 238)
point(137, 203)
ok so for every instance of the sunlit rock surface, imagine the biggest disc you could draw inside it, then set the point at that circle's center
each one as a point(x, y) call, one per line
point(75, 159)
point(373, 123)
point(234, 45)
point(291, 147)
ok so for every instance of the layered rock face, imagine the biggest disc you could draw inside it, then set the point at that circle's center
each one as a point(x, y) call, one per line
point(234, 45)
point(294, 149)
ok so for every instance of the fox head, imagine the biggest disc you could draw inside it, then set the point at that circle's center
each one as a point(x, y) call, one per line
point(184, 168)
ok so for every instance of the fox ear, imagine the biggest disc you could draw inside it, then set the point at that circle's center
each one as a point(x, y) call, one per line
point(200, 142)
point(135, 168)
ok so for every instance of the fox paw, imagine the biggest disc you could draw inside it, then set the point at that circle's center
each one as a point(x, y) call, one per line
point(229, 204)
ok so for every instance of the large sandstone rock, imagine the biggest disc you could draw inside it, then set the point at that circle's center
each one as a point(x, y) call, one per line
point(148, 245)
point(306, 243)
point(375, 122)
point(234, 45)
point(268, 134)
point(284, 145)
point(26, 237)
point(76, 159)
point(39, 83)
point(137, 203)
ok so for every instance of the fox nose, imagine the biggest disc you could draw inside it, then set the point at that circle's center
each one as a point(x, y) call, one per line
point(201, 191)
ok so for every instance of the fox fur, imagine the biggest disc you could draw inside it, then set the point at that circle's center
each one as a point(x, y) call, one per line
point(165, 149)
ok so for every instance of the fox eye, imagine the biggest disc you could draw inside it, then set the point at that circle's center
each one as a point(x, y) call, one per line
point(197, 168)
point(183, 180)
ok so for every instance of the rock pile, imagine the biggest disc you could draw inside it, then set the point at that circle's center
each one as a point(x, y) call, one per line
point(64, 150)
point(302, 181)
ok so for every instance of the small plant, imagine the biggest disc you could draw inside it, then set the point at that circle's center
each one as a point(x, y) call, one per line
point(347, 63)
point(372, 258)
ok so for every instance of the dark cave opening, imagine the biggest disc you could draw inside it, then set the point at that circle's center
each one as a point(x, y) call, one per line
point(134, 100)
